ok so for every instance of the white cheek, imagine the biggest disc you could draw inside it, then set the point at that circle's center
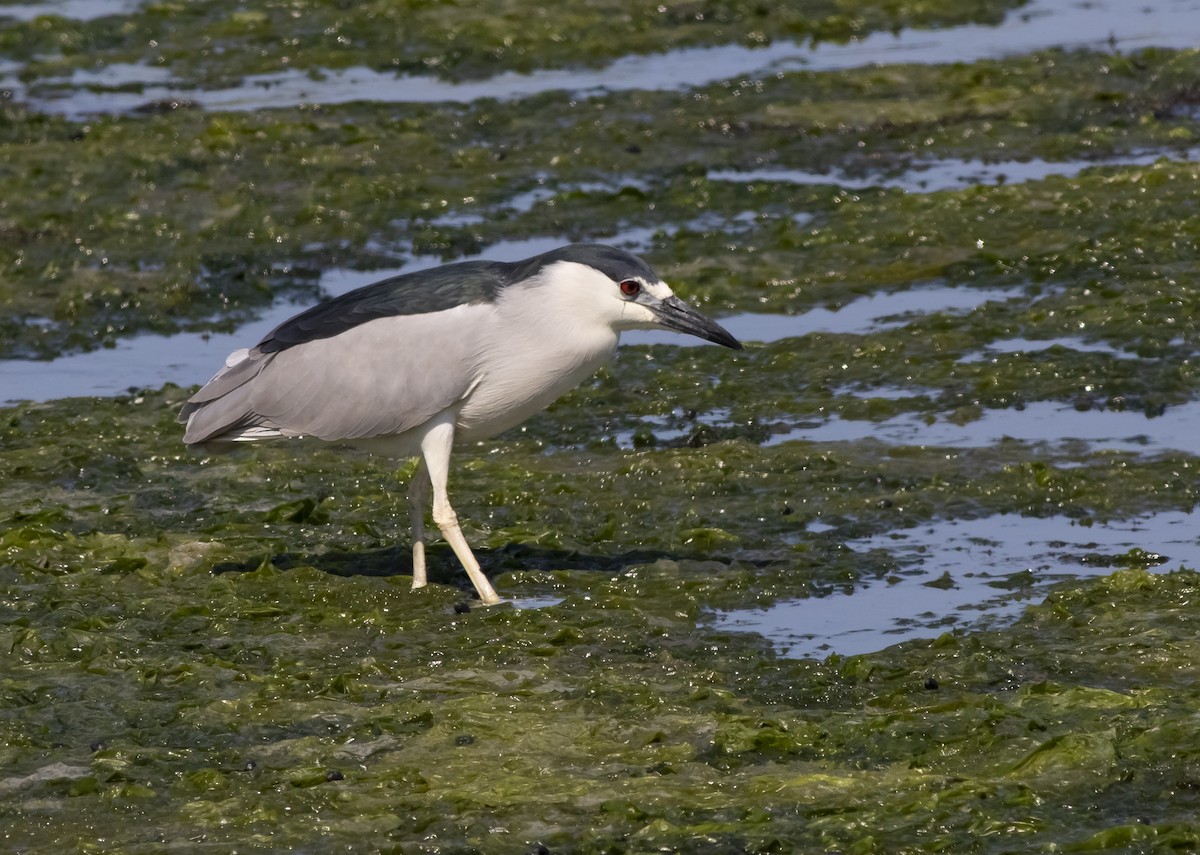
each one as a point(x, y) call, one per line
point(635, 313)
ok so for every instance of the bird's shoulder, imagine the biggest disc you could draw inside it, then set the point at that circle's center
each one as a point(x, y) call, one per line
point(418, 293)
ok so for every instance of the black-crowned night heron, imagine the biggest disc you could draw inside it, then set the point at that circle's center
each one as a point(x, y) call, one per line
point(411, 365)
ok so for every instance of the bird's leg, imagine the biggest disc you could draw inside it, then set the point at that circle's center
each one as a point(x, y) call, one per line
point(435, 446)
point(418, 493)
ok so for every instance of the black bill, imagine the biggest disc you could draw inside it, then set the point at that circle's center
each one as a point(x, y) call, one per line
point(677, 315)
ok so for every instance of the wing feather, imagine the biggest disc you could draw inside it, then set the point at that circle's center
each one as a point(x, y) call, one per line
point(380, 378)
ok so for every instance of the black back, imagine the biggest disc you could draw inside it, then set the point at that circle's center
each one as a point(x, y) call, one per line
point(425, 291)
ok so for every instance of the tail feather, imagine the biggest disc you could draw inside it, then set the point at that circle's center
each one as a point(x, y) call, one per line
point(221, 411)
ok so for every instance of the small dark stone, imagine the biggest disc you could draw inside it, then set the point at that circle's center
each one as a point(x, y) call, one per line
point(465, 739)
point(462, 608)
point(334, 775)
point(787, 510)
point(540, 849)
point(98, 745)
point(931, 684)
point(249, 766)
point(633, 148)
point(885, 503)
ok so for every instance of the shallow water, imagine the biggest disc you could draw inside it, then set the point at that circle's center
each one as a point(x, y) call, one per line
point(1052, 423)
point(986, 571)
point(1026, 345)
point(78, 10)
point(187, 358)
point(1049, 422)
point(1038, 26)
point(871, 313)
point(932, 176)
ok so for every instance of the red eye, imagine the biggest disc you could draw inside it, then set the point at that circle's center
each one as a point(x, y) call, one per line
point(631, 287)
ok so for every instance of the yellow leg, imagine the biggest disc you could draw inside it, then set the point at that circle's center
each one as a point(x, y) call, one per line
point(435, 447)
point(418, 493)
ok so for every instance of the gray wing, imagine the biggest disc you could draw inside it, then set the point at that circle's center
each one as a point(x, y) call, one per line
point(420, 293)
point(378, 378)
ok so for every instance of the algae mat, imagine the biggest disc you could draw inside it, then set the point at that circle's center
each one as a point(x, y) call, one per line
point(219, 654)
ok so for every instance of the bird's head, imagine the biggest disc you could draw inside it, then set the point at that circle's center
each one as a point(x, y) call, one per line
point(622, 290)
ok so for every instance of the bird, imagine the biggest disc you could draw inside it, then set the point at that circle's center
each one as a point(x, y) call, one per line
point(420, 362)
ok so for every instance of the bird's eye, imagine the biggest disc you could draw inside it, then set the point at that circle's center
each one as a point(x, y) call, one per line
point(631, 287)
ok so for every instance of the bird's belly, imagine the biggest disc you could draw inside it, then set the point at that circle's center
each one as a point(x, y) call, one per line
point(513, 390)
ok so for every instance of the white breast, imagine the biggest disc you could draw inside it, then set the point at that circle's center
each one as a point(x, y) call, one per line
point(542, 343)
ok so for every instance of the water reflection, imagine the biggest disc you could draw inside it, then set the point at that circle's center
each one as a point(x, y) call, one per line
point(963, 574)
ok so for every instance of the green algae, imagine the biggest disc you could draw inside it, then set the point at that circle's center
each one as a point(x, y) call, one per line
point(214, 703)
point(218, 653)
point(215, 41)
point(65, 483)
point(226, 651)
point(190, 220)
